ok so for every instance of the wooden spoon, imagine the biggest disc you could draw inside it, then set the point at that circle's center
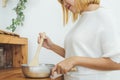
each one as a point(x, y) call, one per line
point(35, 61)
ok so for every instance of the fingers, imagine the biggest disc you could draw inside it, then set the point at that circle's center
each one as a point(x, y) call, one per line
point(57, 70)
point(41, 35)
point(55, 73)
point(60, 69)
point(54, 70)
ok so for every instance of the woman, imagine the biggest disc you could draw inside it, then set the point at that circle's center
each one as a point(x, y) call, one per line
point(92, 46)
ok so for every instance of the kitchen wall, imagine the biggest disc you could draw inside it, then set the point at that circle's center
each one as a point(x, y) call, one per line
point(46, 16)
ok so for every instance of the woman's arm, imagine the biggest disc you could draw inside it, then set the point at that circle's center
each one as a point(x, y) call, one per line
point(97, 63)
point(48, 44)
point(57, 49)
point(94, 63)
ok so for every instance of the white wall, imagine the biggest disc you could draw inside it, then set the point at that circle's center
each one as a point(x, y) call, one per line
point(46, 16)
point(41, 16)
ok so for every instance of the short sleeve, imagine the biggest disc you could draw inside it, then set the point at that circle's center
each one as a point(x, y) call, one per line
point(110, 42)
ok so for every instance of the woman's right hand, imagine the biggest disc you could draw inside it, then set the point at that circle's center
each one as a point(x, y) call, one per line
point(47, 43)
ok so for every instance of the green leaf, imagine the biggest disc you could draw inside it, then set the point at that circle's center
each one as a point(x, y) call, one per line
point(20, 16)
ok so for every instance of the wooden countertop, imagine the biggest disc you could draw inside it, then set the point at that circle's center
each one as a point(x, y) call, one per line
point(16, 74)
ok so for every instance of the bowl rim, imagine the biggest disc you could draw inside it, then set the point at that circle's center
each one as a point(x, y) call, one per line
point(26, 65)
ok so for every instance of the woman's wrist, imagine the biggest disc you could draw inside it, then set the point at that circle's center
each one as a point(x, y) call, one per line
point(76, 60)
point(51, 46)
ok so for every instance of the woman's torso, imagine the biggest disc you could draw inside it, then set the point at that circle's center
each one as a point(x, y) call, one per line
point(84, 40)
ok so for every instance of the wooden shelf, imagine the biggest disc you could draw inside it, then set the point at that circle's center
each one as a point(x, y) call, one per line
point(18, 46)
point(8, 39)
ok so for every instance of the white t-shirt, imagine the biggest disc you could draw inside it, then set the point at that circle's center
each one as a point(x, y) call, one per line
point(95, 35)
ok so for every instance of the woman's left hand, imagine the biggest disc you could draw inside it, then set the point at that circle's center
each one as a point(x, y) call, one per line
point(64, 66)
